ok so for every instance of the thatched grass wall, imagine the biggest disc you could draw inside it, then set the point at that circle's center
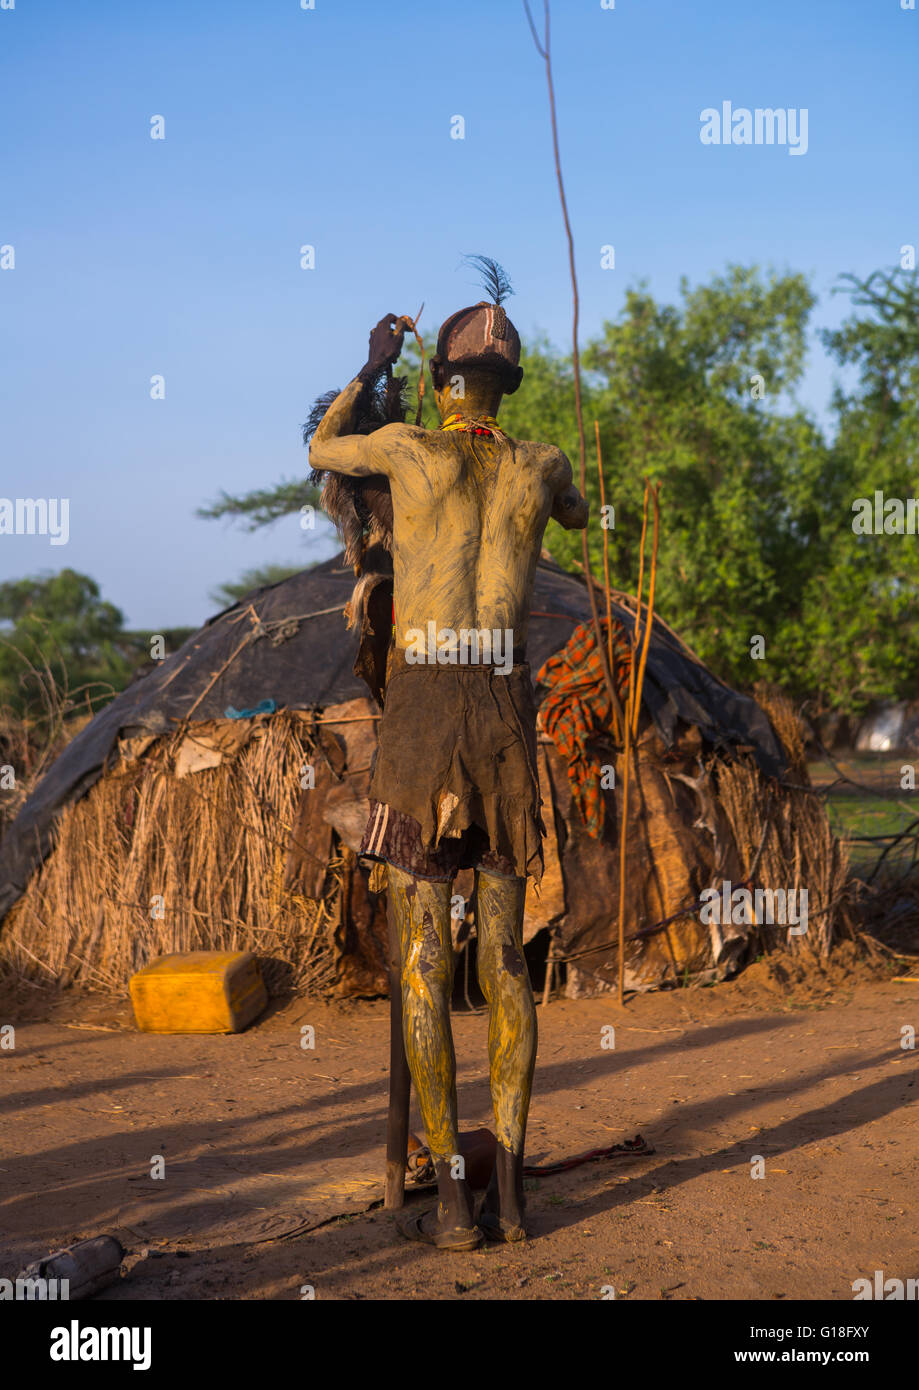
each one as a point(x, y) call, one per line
point(169, 853)
point(786, 837)
point(789, 841)
point(697, 820)
point(150, 862)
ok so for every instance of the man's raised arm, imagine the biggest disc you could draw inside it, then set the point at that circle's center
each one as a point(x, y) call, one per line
point(335, 448)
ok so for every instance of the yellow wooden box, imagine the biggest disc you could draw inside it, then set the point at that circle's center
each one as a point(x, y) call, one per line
point(198, 992)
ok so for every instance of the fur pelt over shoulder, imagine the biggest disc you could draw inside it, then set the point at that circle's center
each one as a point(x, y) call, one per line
point(360, 508)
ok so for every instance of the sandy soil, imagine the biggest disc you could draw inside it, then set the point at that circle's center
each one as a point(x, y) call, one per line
point(273, 1153)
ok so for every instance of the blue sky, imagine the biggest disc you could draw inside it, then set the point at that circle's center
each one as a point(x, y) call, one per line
point(331, 127)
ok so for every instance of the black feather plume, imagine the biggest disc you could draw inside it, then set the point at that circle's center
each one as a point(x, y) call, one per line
point(314, 420)
point(382, 403)
point(360, 508)
point(495, 280)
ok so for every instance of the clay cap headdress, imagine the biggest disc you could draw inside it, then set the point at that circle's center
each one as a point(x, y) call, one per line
point(482, 335)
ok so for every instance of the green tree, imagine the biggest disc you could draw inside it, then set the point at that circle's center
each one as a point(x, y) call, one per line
point(698, 396)
point(756, 534)
point(264, 505)
point(60, 640)
point(857, 639)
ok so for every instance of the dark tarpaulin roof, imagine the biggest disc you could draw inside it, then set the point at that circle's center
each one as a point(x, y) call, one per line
point(287, 642)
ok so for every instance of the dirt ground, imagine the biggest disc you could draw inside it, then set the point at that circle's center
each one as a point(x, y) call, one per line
point(274, 1152)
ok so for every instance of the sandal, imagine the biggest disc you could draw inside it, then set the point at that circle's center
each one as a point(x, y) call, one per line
point(427, 1229)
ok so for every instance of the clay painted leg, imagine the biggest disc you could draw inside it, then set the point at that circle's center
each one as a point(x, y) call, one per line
point(504, 981)
point(421, 911)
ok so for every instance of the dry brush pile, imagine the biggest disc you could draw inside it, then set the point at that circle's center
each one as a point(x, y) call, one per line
point(150, 862)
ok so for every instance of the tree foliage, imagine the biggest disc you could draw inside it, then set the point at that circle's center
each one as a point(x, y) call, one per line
point(263, 505)
point(63, 648)
point(59, 639)
point(757, 502)
point(757, 535)
point(757, 538)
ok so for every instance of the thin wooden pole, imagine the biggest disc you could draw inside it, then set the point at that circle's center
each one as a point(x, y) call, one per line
point(636, 638)
point(649, 619)
point(633, 706)
point(550, 972)
point(544, 51)
point(627, 753)
point(609, 597)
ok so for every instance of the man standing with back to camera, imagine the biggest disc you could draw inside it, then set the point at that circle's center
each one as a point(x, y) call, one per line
point(455, 783)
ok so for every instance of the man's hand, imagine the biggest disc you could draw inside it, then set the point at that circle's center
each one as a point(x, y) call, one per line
point(385, 346)
point(570, 509)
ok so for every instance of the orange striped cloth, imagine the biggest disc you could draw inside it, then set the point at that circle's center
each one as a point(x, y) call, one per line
point(578, 709)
